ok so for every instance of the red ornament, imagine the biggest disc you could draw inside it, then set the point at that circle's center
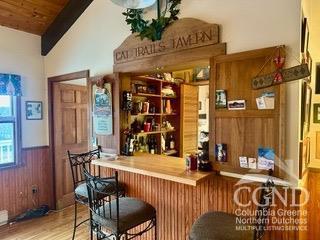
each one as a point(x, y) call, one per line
point(279, 63)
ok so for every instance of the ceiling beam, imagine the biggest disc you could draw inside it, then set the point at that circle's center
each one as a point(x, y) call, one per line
point(63, 22)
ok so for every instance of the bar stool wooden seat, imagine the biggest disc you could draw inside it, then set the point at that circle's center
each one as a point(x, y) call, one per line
point(223, 226)
point(77, 163)
point(113, 219)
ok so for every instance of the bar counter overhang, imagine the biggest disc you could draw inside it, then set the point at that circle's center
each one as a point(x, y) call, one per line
point(180, 196)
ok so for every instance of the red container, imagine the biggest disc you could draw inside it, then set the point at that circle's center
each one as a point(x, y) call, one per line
point(192, 162)
point(147, 127)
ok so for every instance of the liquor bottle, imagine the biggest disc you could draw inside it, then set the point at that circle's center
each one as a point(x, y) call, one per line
point(172, 142)
point(153, 125)
point(136, 144)
point(152, 148)
point(131, 144)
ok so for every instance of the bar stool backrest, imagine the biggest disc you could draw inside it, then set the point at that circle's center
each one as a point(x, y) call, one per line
point(262, 215)
point(100, 191)
point(80, 161)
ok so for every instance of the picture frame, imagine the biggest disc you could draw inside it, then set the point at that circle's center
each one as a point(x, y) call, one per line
point(316, 113)
point(307, 110)
point(317, 77)
point(303, 32)
point(201, 74)
point(34, 110)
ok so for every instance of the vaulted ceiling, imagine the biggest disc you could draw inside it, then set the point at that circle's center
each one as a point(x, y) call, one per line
point(33, 16)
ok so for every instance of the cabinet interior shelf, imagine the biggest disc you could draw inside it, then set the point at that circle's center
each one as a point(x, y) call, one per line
point(146, 95)
point(155, 132)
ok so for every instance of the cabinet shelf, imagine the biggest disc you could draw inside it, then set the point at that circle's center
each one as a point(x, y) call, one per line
point(146, 114)
point(146, 95)
point(156, 132)
point(147, 78)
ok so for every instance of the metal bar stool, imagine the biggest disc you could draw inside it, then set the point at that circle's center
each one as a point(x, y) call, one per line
point(77, 163)
point(223, 226)
point(115, 218)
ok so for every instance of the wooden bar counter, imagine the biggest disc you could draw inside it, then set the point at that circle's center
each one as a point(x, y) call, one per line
point(158, 166)
point(180, 197)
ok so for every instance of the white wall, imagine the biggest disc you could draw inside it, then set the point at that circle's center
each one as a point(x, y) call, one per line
point(20, 54)
point(245, 25)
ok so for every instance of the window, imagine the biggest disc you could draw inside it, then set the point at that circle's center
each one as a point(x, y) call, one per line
point(9, 131)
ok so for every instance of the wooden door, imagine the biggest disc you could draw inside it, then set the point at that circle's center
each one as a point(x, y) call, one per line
point(189, 119)
point(70, 117)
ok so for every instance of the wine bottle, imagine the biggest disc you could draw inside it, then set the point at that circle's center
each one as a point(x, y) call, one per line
point(172, 142)
point(152, 146)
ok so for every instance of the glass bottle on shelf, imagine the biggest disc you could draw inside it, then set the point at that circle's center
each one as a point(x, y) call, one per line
point(172, 143)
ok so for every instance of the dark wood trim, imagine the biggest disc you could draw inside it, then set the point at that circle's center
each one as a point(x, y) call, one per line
point(35, 147)
point(51, 81)
point(70, 76)
point(63, 22)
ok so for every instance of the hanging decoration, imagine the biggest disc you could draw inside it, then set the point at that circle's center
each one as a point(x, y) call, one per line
point(153, 29)
point(10, 84)
point(280, 75)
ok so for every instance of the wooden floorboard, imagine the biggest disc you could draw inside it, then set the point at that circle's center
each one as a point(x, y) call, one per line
point(55, 226)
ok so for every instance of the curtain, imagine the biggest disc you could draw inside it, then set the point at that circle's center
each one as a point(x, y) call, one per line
point(10, 84)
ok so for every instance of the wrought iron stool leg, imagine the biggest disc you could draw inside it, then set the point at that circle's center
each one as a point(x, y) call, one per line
point(75, 220)
point(155, 229)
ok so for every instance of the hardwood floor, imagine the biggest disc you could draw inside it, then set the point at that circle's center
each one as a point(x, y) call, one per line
point(55, 226)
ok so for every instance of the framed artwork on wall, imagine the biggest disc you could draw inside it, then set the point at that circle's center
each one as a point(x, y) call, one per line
point(317, 78)
point(316, 113)
point(307, 110)
point(34, 110)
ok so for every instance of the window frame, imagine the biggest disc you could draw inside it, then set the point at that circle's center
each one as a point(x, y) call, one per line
point(16, 120)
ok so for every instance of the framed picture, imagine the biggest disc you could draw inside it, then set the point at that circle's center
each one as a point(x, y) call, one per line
point(317, 78)
point(34, 110)
point(316, 113)
point(309, 61)
point(303, 32)
point(201, 74)
point(307, 110)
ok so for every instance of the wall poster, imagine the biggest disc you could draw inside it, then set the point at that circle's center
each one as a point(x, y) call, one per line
point(102, 110)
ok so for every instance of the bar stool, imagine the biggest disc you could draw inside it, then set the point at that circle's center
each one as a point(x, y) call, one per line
point(223, 226)
point(117, 217)
point(77, 163)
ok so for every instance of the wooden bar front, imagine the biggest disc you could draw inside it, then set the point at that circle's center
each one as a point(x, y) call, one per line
point(179, 205)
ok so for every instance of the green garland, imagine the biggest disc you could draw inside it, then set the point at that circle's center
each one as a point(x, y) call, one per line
point(152, 30)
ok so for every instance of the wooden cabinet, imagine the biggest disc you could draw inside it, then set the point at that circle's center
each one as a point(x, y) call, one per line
point(162, 108)
point(244, 131)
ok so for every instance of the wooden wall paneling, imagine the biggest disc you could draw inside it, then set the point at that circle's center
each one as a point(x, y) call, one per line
point(179, 205)
point(112, 141)
point(314, 204)
point(245, 130)
point(16, 183)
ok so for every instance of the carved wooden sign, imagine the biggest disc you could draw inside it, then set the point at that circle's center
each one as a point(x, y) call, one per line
point(186, 33)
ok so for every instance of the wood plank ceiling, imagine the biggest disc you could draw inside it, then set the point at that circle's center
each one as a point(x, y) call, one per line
point(33, 16)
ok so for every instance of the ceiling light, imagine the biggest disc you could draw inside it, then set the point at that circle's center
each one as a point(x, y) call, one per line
point(134, 4)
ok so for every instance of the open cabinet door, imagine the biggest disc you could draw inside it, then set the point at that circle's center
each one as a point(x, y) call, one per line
point(243, 132)
point(189, 119)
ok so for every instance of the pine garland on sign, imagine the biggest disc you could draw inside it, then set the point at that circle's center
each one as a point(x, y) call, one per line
point(153, 29)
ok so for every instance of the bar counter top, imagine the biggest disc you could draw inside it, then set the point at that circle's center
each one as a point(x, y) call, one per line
point(158, 166)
